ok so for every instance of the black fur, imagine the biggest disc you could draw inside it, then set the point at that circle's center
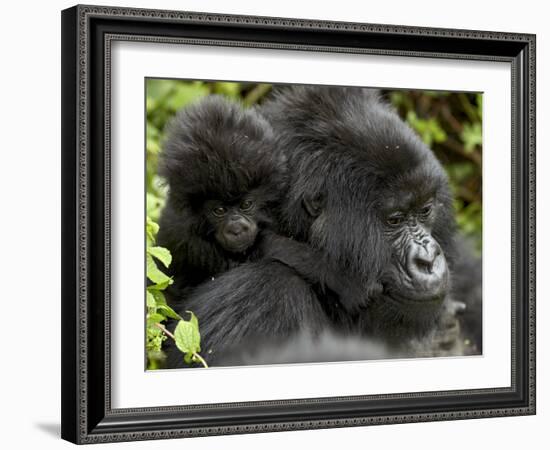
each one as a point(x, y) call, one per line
point(350, 159)
point(214, 150)
point(218, 151)
point(466, 289)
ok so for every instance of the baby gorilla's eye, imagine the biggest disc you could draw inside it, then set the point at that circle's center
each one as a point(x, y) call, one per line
point(219, 211)
point(246, 205)
point(395, 220)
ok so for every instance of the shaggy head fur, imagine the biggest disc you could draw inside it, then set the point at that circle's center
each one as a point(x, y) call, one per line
point(350, 152)
point(215, 151)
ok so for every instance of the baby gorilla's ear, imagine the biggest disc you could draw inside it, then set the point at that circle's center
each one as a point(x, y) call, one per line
point(314, 204)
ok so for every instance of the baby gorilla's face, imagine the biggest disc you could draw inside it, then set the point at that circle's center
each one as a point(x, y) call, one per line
point(233, 225)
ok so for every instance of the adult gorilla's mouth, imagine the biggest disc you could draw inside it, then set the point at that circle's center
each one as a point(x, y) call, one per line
point(403, 311)
point(408, 296)
point(416, 287)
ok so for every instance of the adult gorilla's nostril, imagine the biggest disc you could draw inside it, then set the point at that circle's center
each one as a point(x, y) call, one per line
point(423, 265)
point(426, 256)
point(427, 267)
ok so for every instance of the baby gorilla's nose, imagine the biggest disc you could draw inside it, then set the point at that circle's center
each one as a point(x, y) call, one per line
point(237, 234)
point(237, 227)
point(427, 266)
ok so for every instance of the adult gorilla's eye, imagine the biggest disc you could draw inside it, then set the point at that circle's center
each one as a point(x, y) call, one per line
point(219, 211)
point(426, 210)
point(246, 205)
point(395, 220)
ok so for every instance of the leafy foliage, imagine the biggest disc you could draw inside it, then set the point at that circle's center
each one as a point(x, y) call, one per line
point(186, 335)
point(157, 309)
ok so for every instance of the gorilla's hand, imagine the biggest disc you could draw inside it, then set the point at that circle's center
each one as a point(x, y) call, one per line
point(448, 335)
point(353, 294)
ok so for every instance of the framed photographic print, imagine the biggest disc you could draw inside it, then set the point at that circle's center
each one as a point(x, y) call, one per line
point(268, 222)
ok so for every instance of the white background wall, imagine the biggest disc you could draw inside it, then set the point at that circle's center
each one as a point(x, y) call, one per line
point(30, 222)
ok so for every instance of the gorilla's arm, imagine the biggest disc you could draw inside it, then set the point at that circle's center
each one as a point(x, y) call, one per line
point(251, 304)
point(313, 266)
point(265, 313)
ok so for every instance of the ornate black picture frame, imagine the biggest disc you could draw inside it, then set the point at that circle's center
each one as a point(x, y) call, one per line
point(87, 34)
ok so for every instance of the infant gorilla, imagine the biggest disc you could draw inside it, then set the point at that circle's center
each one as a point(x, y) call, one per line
point(226, 179)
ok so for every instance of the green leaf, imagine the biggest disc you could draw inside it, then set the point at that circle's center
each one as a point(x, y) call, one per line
point(162, 254)
point(154, 274)
point(151, 104)
point(151, 229)
point(168, 312)
point(154, 318)
point(154, 206)
point(159, 287)
point(429, 130)
point(152, 146)
point(188, 338)
point(479, 99)
point(155, 338)
point(186, 93)
point(160, 186)
point(231, 90)
point(159, 88)
point(193, 320)
point(150, 300)
point(158, 295)
point(471, 136)
point(152, 132)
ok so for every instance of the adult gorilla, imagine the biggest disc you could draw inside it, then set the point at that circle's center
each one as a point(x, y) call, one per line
point(371, 197)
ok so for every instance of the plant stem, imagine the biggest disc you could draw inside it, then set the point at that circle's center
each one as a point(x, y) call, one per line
point(167, 333)
point(458, 148)
point(256, 94)
point(468, 108)
point(202, 361)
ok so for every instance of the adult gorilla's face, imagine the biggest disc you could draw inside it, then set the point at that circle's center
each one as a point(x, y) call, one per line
point(391, 228)
point(418, 271)
point(386, 233)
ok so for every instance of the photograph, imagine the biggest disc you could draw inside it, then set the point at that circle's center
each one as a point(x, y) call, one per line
point(276, 223)
point(293, 223)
